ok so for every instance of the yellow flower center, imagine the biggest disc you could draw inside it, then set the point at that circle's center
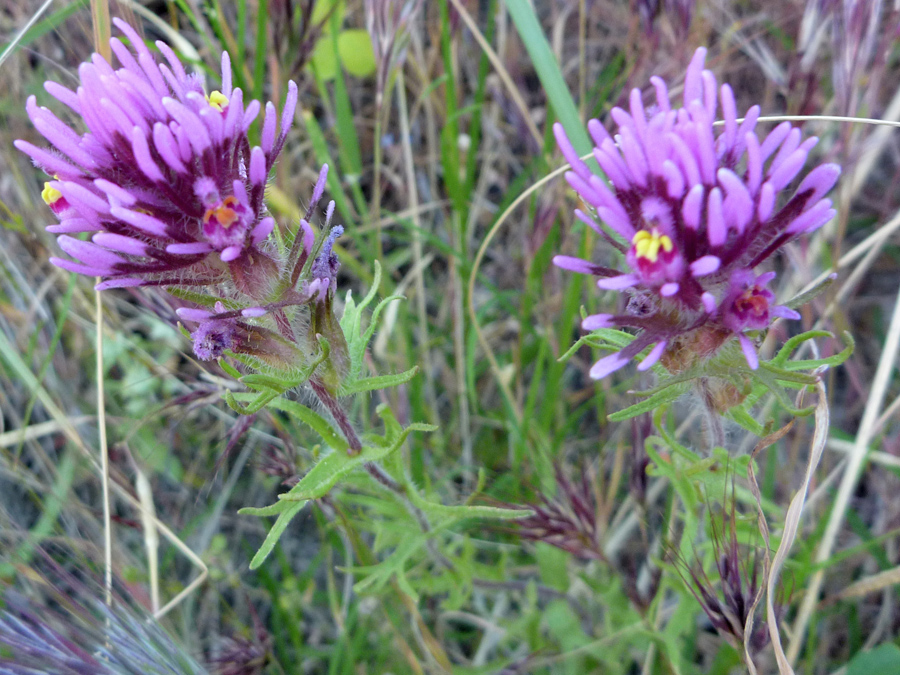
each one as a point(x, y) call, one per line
point(50, 195)
point(647, 244)
point(217, 100)
point(224, 213)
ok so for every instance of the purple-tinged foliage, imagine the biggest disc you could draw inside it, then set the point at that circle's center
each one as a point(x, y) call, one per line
point(568, 520)
point(728, 599)
point(282, 463)
point(241, 656)
point(571, 520)
point(223, 330)
point(164, 175)
point(698, 212)
point(388, 23)
point(97, 641)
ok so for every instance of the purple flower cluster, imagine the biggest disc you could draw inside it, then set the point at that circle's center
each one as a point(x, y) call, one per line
point(164, 175)
point(167, 180)
point(698, 212)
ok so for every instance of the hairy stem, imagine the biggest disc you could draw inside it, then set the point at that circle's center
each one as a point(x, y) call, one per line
point(713, 419)
point(339, 415)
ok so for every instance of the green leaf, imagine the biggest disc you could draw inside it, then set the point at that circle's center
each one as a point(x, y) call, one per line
point(313, 420)
point(272, 510)
point(255, 402)
point(322, 9)
point(815, 291)
point(830, 361)
point(284, 518)
point(377, 576)
point(549, 73)
point(453, 514)
point(656, 400)
point(883, 660)
point(740, 415)
point(259, 382)
point(553, 565)
point(228, 368)
point(324, 60)
point(603, 338)
point(357, 55)
point(201, 299)
point(785, 352)
point(332, 467)
point(380, 382)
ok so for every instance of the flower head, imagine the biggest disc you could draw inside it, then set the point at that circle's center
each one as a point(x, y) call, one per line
point(164, 174)
point(695, 212)
point(276, 331)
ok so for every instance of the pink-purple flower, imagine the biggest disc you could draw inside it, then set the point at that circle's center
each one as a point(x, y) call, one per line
point(695, 209)
point(164, 175)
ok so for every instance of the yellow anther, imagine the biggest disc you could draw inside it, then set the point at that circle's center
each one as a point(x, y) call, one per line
point(647, 244)
point(50, 194)
point(218, 100)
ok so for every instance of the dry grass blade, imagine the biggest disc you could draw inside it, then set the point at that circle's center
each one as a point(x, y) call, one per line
point(33, 20)
point(479, 257)
point(102, 28)
point(851, 475)
point(871, 584)
point(151, 536)
point(764, 443)
point(65, 425)
point(792, 525)
point(501, 71)
point(30, 433)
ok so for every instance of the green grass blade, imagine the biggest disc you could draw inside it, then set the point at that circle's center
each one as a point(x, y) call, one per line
point(549, 73)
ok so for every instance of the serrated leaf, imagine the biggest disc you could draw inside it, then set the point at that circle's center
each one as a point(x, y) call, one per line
point(281, 523)
point(313, 420)
point(376, 576)
point(323, 476)
point(452, 514)
point(740, 415)
point(272, 510)
point(785, 352)
point(351, 325)
point(651, 403)
point(379, 382)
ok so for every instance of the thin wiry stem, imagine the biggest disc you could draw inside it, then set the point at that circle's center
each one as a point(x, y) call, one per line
point(104, 453)
point(101, 22)
point(27, 27)
point(67, 426)
point(850, 478)
point(501, 71)
point(421, 310)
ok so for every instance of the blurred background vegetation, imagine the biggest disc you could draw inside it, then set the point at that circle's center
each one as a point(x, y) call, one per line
point(431, 134)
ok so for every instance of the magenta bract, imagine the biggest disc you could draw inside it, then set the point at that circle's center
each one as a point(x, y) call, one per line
point(699, 207)
point(164, 174)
